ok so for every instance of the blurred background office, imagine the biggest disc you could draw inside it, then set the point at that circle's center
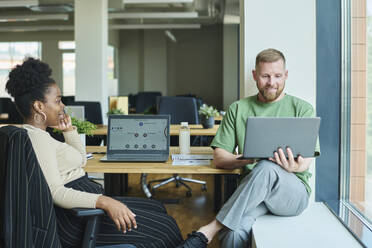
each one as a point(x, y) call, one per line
point(206, 49)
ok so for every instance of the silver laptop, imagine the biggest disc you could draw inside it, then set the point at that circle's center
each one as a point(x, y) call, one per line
point(264, 135)
point(76, 111)
point(137, 138)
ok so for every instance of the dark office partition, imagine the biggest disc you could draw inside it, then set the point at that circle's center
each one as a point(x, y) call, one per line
point(328, 28)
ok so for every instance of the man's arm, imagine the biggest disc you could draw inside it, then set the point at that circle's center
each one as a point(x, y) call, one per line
point(223, 159)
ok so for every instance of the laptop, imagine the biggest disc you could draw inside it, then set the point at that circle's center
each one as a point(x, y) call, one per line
point(137, 138)
point(264, 135)
point(75, 111)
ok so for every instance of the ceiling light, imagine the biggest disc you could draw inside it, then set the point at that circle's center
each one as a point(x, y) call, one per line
point(52, 8)
point(231, 19)
point(18, 3)
point(26, 18)
point(155, 1)
point(170, 35)
point(37, 28)
point(111, 27)
point(154, 26)
point(153, 15)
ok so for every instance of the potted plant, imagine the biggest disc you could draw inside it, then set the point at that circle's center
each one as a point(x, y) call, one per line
point(207, 114)
point(115, 111)
point(83, 128)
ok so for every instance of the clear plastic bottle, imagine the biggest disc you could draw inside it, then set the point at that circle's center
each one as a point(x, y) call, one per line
point(184, 138)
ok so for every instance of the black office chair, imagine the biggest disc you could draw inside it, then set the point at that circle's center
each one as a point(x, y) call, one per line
point(67, 100)
point(8, 106)
point(14, 116)
point(146, 101)
point(93, 113)
point(181, 109)
point(27, 214)
point(132, 100)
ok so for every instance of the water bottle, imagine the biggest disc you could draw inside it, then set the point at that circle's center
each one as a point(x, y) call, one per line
point(184, 138)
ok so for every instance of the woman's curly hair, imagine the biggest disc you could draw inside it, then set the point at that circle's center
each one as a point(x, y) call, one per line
point(28, 83)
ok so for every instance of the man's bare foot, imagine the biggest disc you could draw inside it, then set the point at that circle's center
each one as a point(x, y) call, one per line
point(211, 229)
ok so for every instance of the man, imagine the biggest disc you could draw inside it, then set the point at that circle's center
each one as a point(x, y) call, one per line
point(277, 185)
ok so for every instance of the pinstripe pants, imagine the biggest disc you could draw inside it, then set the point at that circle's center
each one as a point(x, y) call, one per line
point(155, 227)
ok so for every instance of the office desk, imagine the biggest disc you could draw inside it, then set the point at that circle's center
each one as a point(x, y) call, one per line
point(174, 130)
point(116, 184)
point(94, 165)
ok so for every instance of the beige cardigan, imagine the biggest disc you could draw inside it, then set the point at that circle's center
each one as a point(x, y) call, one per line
point(62, 163)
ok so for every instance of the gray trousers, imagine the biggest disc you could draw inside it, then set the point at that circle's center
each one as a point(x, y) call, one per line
point(268, 188)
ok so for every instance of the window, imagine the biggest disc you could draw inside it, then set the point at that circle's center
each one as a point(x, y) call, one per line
point(356, 139)
point(13, 53)
point(68, 74)
point(68, 58)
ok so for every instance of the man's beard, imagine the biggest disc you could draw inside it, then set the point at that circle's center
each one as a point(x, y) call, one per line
point(271, 96)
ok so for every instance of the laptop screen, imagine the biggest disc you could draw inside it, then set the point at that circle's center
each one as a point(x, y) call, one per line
point(138, 133)
point(76, 111)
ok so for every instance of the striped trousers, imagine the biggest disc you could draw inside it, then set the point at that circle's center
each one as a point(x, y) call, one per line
point(155, 228)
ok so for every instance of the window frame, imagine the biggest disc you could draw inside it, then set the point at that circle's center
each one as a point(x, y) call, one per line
point(333, 105)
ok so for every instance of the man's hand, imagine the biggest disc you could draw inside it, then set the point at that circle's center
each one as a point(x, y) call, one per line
point(291, 164)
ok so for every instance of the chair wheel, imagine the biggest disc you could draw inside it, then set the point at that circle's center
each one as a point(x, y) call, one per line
point(204, 187)
point(188, 194)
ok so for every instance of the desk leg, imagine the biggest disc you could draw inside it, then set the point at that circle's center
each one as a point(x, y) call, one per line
point(230, 185)
point(116, 184)
point(217, 192)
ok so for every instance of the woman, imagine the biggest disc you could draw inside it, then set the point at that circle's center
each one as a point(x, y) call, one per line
point(141, 222)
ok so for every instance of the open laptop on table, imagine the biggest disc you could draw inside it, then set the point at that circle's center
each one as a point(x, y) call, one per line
point(137, 138)
point(264, 135)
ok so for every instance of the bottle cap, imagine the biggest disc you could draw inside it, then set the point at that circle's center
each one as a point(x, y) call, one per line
point(184, 123)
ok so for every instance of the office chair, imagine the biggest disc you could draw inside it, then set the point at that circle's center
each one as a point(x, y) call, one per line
point(180, 109)
point(145, 100)
point(14, 116)
point(4, 107)
point(132, 100)
point(93, 113)
point(26, 206)
point(8, 106)
point(67, 100)
point(4, 104)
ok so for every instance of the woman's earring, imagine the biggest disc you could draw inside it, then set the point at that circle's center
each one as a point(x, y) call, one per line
point(40, 118)
point(44, 116)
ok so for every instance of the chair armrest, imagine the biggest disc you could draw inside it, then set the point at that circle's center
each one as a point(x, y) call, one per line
point(89, 240)
point(83, 212)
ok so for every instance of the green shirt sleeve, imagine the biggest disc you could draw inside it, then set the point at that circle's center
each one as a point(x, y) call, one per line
point(226, 136)
point(310, 112)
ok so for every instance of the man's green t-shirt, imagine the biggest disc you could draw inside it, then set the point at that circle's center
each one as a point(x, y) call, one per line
point(232, 129)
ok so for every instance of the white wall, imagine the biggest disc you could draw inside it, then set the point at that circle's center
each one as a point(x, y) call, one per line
point(91, 38)
point(289, 26)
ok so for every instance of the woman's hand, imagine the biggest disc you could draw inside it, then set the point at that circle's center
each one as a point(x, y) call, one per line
point(64, 123)
point(122, 216)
